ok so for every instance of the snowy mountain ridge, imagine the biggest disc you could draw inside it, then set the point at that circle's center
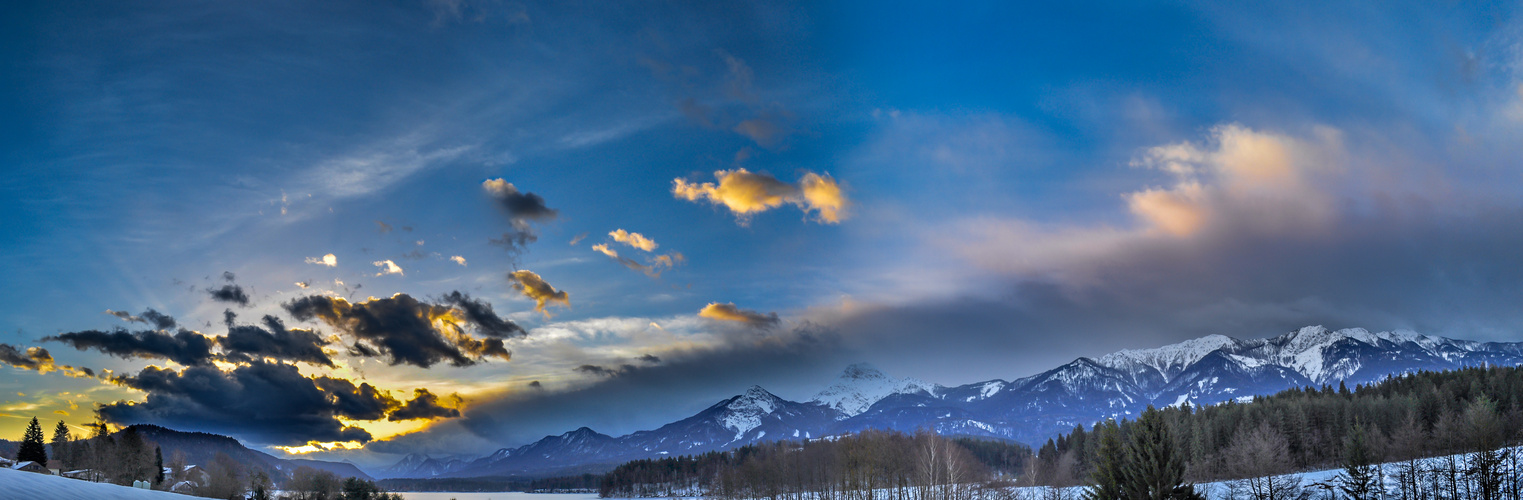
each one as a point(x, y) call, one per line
point(1202, 371)
point(861, 385)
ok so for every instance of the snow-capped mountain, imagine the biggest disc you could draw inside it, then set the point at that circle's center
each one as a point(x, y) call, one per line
point(1202, 371)
point(861, 385)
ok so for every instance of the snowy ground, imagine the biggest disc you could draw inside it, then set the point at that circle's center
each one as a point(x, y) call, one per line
point(31, 485)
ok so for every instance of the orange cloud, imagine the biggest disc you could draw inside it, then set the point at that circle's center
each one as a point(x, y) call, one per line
point(636, 240)
point(534, 287)
point(728, 312)
point(746, 193)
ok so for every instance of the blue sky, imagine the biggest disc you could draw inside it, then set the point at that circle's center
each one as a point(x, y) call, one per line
point(1019, 185)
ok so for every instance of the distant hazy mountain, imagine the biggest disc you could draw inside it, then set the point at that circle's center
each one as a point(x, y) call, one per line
point(201, 448)
point(1203, 371)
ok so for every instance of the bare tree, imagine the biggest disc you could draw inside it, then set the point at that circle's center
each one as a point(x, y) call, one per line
point(1261, 457)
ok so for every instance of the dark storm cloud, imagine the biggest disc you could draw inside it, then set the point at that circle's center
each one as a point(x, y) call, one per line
point(481, 314)
point(184, 347)
point(35, 358)
point(604, 371)
point(229, 293)
point(649, 358)
point(228, 276)
point(39, 360)
point(158, 320)
point(425, 405)
point(362, 402)
point(522, 209)
point(267, 402)
point(247, 342)
point(407, 331)
point(151, 317)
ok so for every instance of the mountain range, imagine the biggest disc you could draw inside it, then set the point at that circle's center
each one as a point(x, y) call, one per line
point(1202, 371)
point(200, 448)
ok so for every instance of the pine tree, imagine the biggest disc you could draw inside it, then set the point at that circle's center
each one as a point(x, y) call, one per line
point(1358, 477)
point(158, 466)
point(1155, 467)
point(32, 448)
point(1110, 465)
point(61, 444)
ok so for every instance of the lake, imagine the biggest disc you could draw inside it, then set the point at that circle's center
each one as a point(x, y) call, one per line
point(495, 495)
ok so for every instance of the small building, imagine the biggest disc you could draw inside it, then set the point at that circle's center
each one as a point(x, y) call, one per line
point(195, 474)
point(85, 475)
point(30, 466)
point(184, 488)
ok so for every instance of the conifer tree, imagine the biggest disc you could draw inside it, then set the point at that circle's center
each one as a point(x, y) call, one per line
point(32, 448)
point(61, 444)
point(1358, 477)
point(1155, 467)
point(1110, 465)
point(158, 465)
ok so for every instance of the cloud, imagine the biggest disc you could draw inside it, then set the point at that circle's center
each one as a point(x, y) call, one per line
point(746, 193)
point(657, 264)
point(407, 331)
point(33, 358)
point(649, 358)
point(326, 260)
point(458, 260)
point(39, 360)
point(229, 293)
point(578, 238)
point(362, 402)
point(184, 347)
point(425, 405)
point(382, 227)
point(602, 371)
point(387, 267)
point(481, 314)
point(303, 285)
point(522, 208)
point(636, 240)
point(728, 312)
point(247, 342)
point(151, 317)
point(228, 276)
point(269, 402)
point(534, 287)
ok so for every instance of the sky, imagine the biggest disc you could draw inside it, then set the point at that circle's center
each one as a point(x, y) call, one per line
point(354, 230)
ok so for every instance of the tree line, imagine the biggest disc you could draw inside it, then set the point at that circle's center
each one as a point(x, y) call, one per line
point(860, 466)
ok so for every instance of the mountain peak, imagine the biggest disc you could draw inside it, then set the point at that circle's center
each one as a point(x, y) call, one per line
point(861, 385)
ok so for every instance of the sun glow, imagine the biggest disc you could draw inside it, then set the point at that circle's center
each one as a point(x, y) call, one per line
point(314, 447)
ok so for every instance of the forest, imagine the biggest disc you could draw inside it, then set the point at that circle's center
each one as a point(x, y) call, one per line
point(1421, 436)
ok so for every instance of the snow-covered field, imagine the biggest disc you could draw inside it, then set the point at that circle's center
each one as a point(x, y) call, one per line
point(33, 486)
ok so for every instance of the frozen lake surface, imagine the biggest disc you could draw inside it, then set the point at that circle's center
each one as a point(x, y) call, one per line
point(496, 495)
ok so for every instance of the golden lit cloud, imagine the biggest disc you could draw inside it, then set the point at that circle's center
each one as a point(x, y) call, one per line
point(636, 240)
point(603, 249)
point(387, 267)
point(728, 312)
point(327, 260)
point(534, 287)
point(746, 193)
point(458, 260)
point(1179, 211)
